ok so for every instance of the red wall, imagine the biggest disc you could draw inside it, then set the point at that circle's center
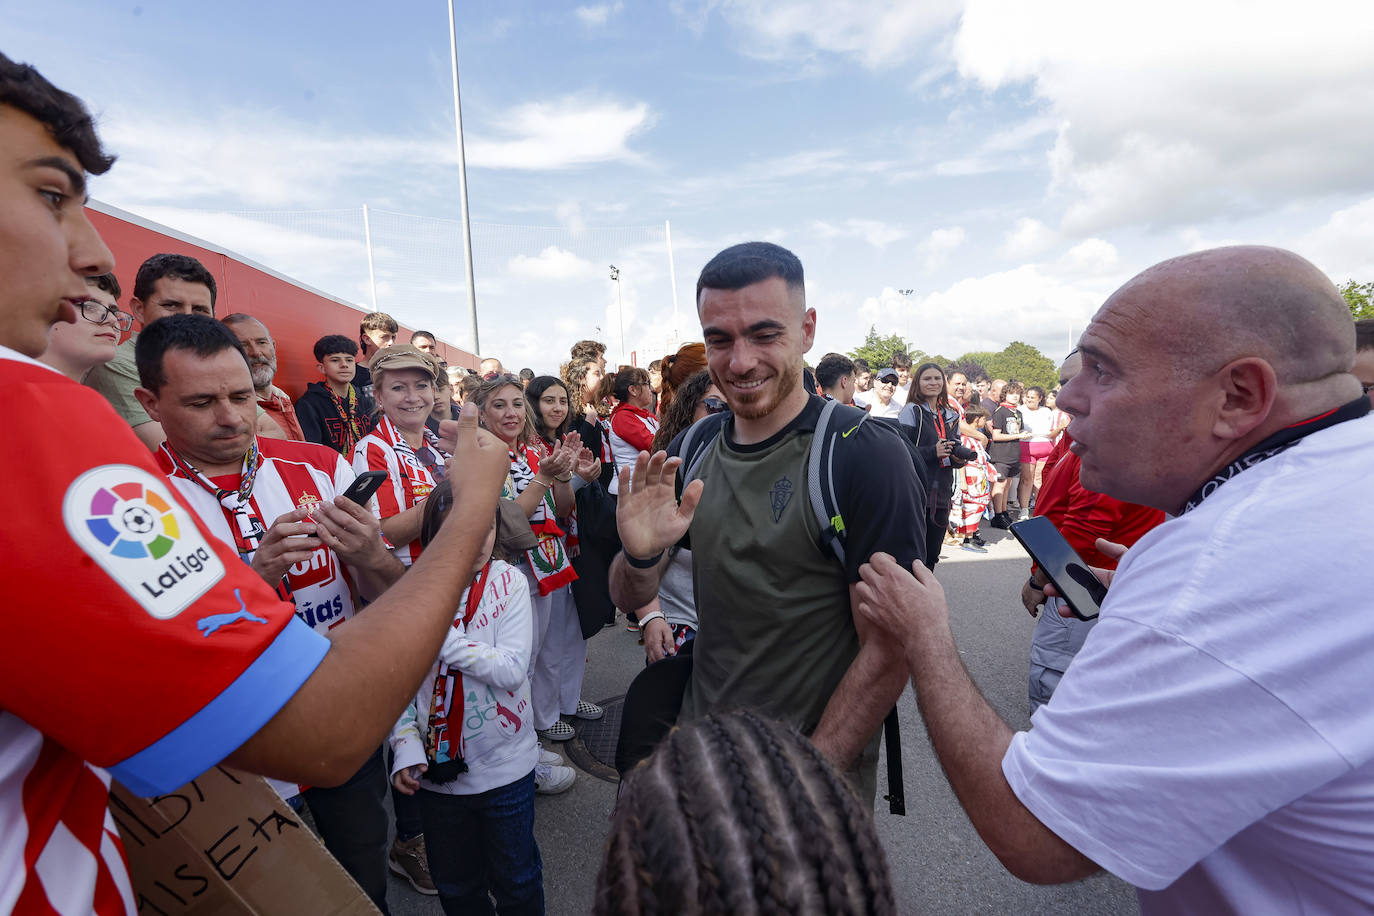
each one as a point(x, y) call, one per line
point(295, 315)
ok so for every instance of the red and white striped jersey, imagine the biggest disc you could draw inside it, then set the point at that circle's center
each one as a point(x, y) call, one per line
point(407, 482)
point(135, 642)
point(632, 432)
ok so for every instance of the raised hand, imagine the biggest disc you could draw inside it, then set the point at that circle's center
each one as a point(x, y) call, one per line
point(648, 515)
point(587, 466)
point(482, 458)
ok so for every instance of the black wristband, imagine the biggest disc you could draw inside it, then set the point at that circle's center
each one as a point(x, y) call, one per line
point(642, 564)
point(1031, 582)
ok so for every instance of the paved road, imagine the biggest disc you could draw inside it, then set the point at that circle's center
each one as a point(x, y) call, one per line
point(938, 863)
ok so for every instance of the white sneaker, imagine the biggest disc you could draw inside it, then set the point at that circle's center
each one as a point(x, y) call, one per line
point(548, 758)
point(551, 780)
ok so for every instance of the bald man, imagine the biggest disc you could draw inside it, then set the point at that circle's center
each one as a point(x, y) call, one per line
point(1212, 742)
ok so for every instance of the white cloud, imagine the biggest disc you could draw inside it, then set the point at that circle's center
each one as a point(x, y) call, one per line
point(877, 34)
point(1028, 238)
point(871, 231)
point(553, 263)
point(597, 16)
point(1178, 111)
point(1090, 257)
point(1344, 245)
point(562, 133)
point(938, 246)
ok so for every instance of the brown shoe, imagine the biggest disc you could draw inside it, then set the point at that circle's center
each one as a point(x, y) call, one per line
point(408, 860)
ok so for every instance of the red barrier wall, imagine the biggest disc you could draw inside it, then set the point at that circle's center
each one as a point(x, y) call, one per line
point(295, 314)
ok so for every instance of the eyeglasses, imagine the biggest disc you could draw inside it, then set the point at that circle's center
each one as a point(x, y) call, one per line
point(99, 313)
point(1366, 387)
point(714, 405)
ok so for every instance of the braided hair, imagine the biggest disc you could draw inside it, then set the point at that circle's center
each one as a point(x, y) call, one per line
point(735, 813)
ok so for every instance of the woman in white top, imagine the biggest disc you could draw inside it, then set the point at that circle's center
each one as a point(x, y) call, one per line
point(1038, 421)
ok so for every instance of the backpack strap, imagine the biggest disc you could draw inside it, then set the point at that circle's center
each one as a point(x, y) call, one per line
point(837, 421)
point(694, 442)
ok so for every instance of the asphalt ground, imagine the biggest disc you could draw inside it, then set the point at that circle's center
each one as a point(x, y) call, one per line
point(937, 861)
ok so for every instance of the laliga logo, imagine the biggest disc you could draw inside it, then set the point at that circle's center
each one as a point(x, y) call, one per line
point(132, 521)
point(122, 517)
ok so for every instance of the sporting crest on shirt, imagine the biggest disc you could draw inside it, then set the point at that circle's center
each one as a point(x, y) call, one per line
point(779, 496)
point(125, 520)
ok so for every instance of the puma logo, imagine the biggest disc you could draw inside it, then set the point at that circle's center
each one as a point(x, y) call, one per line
point(208, 625)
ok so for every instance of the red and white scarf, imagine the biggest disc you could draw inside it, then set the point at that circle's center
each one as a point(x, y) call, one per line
point(548, 560)
point(444, 731)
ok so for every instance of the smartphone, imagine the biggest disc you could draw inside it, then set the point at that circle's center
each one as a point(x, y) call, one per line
point(1075, 582)
point(362, 488)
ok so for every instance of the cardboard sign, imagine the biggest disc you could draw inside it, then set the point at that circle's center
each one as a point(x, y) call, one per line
point(225, 843)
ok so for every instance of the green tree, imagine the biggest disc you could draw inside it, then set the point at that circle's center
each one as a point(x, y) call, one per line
point(1360, 298)
point(877, 349)
point(1019, 361)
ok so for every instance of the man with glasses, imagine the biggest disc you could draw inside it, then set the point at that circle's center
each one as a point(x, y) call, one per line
point(885, 404)
point(257, 495)
point(166, 284)
point(77, 348)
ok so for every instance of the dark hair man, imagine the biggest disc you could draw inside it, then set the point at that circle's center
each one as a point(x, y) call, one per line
point(425, 341)
point(166, 284)
point(526, 376)
point(279, 417)
point(332, 412)
point(178, 654)
point(1213, 742)
point(778, 630)
point(376, 331)
point(197, 383)
point(835, 375)
point(1364, 355)
point(902, 363)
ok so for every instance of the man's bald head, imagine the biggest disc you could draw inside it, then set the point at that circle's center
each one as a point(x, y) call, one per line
point(1211, 307)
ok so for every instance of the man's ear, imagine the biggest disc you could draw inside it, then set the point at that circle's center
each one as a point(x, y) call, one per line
point(1249, 387)
point(136, 307)
point(148, 401)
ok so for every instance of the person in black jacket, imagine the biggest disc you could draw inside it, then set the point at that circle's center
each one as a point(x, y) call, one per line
point(931, 422)
point(334, 412)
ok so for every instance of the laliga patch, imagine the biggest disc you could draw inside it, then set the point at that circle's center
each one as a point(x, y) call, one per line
point(124, 519)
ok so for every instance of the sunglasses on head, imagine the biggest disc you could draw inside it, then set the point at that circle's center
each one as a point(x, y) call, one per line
point(714, 405)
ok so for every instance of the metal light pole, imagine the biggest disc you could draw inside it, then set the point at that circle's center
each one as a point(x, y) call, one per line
point(620, 310)
point(906, 300)
point(463, 182)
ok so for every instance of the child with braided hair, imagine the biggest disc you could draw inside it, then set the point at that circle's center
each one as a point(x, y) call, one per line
point(770, 828)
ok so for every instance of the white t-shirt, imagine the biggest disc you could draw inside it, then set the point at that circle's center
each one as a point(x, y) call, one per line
point(864, 398)
point(1213, 742)
point(1038, 422)
point(893, 408)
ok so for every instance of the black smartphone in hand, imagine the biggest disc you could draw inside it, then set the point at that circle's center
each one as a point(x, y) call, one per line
point(1076, 583)
point(364, 485)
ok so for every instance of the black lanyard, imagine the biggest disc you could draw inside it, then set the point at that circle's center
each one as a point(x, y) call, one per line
point(1280, 442)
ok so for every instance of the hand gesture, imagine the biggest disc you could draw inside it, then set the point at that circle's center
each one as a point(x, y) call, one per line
point(482, 458)
point(289, 541)
point(587, 466)
point(1106, 548)
point(648, 515)
point(900, 604)
point(351, 531)
point(943, 448)
point(560, 461)
point(407, 779)
point(658, 640)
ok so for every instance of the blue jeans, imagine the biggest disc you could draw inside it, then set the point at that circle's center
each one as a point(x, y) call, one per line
point(485, 843)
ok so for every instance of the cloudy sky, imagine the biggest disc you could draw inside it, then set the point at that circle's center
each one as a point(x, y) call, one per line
point(1008, 163)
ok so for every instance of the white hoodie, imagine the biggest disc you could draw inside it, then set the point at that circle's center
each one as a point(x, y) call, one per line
point(493, 654)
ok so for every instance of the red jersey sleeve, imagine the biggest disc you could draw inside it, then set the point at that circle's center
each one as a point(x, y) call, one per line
point(133, 637)
point(632, 427)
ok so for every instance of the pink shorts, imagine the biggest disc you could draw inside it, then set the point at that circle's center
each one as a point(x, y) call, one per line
point(1034, 452)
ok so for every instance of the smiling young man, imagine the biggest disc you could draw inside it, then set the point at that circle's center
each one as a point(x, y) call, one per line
point(1213, 741)
point(163, 654)
point(778, 631)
